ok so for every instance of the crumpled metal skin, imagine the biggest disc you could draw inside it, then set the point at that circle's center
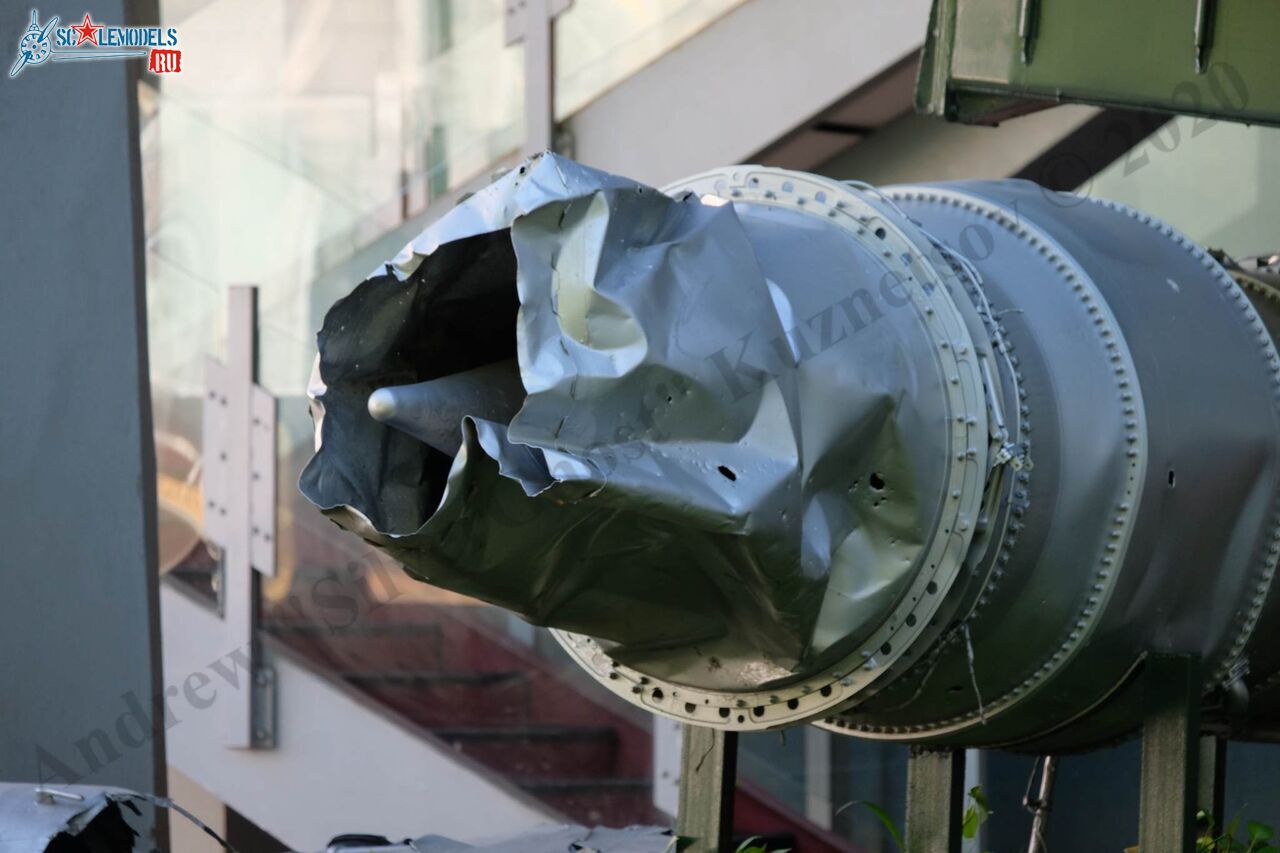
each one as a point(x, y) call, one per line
point(683, 475)
point(33, 819)
point(560, 839)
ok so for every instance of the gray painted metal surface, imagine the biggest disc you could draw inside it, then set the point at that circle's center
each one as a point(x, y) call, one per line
point(941, 464)
point(78, 604)
point(81, 817)
point(552, 839)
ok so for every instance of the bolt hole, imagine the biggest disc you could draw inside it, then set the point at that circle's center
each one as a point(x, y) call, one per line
point(758, 710)
point(657, 694)
point(728, 473)
point(724, 712)
point(689, 707)
point(1173, 478)
point(741, 718)
point(826, 691)
point(886, 649)
point(880, 232)
point(931, 588)
point(876, 482)
point(793, 704)
point(910, 620)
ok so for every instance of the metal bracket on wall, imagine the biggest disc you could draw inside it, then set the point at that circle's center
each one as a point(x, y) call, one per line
point(263, 707)
point(1027, 20)
point(240, 510)
point(1203, 32)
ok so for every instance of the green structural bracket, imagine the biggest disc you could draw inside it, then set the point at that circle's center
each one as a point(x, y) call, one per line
point(988, 60)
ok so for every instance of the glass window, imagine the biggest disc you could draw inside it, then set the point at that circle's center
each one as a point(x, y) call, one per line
point(275, 164)
point(1212, 180)
point(599, 43)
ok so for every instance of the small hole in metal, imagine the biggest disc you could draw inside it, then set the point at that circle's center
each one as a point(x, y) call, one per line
point(727, 472)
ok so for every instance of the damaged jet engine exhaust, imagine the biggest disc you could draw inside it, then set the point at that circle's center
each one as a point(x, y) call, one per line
point(937, 463)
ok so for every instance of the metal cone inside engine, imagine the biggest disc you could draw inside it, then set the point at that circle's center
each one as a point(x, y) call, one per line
point(766, 448)
point(432, 411)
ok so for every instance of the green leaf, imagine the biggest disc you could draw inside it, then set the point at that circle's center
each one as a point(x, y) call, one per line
point(979, 798)
point(745, 847)
point(889, 826)
point(1259, 831)
point(976, 814)
point(1230, 831)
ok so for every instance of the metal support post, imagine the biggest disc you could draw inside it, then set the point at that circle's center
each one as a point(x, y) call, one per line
point(818, 778)
point(1040, 804)
point(533, 22)
point(708, 771)
point(1213, 779)
point(935, 800)
point(1170, 754)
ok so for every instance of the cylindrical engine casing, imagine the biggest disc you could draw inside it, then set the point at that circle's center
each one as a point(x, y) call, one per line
point(1060, 450)
point(1148, 388)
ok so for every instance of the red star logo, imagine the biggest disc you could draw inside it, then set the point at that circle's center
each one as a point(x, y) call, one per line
point(87, 31)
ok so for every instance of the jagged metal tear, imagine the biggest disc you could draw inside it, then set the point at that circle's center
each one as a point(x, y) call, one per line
point(651, 491)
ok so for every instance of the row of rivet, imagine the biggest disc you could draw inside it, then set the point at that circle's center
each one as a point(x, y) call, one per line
point(1263, 339)
point(1121, 521)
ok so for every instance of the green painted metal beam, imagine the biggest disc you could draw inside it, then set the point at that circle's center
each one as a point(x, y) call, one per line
point(988, 60)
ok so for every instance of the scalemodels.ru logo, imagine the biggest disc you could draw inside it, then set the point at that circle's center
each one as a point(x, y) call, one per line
point(88, 40)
